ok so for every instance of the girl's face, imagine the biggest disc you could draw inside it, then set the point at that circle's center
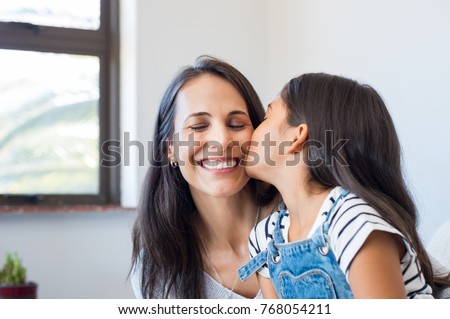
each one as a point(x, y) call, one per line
point(267, 154)
point(213, 130)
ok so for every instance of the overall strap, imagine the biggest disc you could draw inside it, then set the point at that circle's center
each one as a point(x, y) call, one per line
point(253, 265)
point(261, 258)
point(333, 207)
point(277, 232)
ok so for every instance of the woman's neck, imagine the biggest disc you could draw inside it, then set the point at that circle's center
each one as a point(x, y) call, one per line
point(223, 227)
point(225, 221)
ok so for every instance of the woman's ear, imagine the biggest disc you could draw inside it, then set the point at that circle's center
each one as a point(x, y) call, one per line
point(171, 154)
point(170, 151)
point(299, 139)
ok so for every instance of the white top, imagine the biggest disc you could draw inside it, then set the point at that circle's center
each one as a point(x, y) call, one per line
point(213, 289)
point(353, 220)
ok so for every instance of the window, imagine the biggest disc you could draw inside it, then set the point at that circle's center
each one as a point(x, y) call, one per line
point(58, 101)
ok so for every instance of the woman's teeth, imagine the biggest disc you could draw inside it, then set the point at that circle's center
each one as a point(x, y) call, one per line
point(219, 164)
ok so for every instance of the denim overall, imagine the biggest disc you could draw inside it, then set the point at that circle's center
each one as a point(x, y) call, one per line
point(305, 269)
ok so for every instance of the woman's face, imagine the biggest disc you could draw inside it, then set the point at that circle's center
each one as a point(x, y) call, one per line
point(270, 141)
point(212, 132)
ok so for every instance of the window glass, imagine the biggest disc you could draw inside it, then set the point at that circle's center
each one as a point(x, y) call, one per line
point(49, 123)
point(80, 14)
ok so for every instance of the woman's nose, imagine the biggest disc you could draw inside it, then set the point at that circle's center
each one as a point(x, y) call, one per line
point(219, 140)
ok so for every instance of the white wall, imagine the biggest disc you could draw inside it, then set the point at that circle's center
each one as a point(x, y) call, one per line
point(72, 255)
point(401, 48)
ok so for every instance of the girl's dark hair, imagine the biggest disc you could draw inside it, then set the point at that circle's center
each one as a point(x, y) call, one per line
point(164, 240)
point(352, 142)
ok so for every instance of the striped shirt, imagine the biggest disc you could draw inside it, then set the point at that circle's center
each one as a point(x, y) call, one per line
point(353, 220)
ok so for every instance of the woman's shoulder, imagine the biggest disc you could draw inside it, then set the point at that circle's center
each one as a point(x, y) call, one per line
point(135, 279)
point(136, 283)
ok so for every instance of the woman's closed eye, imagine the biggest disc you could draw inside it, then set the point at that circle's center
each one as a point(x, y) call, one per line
point(237, 124)
point(198, 127)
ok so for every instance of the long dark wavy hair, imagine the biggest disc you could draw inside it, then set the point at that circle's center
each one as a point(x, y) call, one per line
point(338, 109)
point(164, 237)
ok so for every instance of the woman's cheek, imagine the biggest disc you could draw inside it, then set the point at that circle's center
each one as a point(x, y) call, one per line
point(186, 147)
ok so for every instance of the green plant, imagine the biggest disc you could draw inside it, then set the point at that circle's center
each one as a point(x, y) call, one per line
point(13, 272)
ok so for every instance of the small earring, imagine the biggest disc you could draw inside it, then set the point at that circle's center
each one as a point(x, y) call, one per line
point(173, 164)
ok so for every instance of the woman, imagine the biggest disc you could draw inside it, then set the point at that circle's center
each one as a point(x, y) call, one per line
point(198, 204)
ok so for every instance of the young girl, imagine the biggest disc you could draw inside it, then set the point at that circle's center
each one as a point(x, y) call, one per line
point(329, 145)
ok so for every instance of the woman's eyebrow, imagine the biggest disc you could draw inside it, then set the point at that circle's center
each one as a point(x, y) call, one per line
point(209, 115)
point(269, 106)
point(238, 113)
point(197, 114)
